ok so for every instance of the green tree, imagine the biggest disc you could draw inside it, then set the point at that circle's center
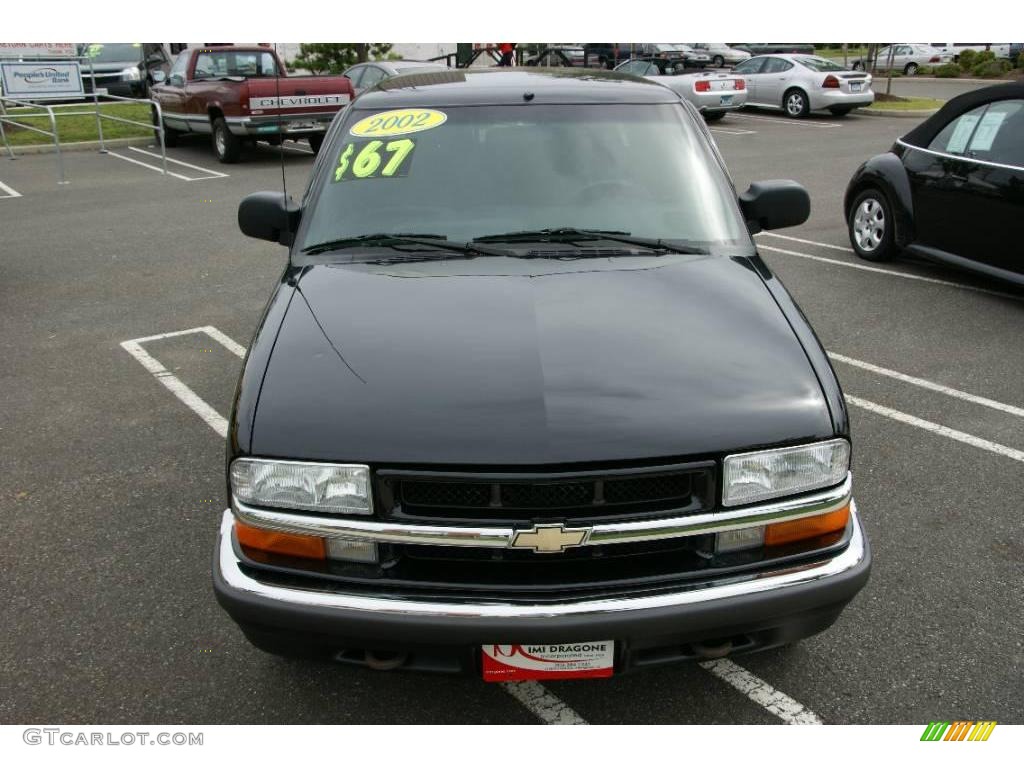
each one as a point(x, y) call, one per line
point(335, 58)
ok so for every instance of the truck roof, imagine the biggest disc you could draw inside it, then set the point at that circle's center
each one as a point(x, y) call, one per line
point(512, 86)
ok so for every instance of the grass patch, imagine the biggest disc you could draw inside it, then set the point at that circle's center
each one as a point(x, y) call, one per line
point(72, 128)
point(888, 101)
point(837, 53)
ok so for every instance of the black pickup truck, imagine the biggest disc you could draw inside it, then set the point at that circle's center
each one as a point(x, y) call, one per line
point(526, 402)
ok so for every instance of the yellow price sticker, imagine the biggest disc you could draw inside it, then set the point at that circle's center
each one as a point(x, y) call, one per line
point(374, 159)
point(398, 122)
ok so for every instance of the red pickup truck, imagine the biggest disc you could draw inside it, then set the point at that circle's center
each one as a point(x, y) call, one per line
point(237, 93)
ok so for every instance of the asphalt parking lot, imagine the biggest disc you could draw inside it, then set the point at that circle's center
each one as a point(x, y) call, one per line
point(113, 488)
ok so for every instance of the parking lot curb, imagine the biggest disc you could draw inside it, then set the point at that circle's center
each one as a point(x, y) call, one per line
point(79, 146)
point(918, 113)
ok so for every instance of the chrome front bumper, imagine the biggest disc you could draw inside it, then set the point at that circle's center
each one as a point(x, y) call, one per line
point(235, 587)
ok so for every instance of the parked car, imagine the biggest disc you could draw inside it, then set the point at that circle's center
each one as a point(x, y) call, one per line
point(606, 54)
point(446, 486)
point(721, 54)
point(1001, 50)
point(369, 73)
point(690, 56)
point(713, 93)
point(903, 57)
point(950, 190)
point(234, 93)
point(800, 84)
point(562, 56)
point(761, 48)
point(123, 69)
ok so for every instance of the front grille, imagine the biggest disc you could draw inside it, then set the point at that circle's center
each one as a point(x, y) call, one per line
point(524, 498)
point(446, 494)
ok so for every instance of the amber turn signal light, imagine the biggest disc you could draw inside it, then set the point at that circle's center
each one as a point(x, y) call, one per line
point(292, 544)
point(806, 527)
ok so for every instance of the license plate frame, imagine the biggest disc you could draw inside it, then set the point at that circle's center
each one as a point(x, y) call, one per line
point(506, 663)
point(856, 87)
point(725, 100)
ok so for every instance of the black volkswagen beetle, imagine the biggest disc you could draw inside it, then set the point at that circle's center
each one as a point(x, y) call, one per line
point(951, 190)
point(526, 402)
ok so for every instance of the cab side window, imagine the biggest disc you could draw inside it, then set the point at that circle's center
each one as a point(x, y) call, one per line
point(774, 66)
point(993, 132)
point(177, 74)
point(355, 75)
point(999, 137)
point(954, 137)
point(371, 77)
point(208, 66)
point(640, 68)
point(749, 67)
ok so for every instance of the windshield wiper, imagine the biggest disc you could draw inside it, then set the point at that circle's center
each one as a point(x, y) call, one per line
point(391, 240)
point(572, 235)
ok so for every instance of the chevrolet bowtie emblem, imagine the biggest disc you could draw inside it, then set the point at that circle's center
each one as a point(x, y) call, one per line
point(550, 538)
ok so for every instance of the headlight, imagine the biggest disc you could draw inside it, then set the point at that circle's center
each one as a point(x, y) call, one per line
point(132, 74)
point(750, 477)
point(342, 489)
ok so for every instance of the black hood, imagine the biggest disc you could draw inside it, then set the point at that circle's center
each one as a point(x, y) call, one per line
point(497, 361)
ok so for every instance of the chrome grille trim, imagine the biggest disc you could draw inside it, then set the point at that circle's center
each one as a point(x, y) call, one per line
point(779, 511)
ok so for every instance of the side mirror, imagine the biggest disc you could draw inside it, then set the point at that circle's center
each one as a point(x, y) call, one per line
point(159, 76)
point(774, 205)
point(269, 216)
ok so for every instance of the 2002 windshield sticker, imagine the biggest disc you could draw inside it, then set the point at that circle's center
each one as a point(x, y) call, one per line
point(365, 160)
point(374, 159)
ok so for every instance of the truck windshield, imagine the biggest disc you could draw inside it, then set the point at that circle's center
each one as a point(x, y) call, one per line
point(473, 171)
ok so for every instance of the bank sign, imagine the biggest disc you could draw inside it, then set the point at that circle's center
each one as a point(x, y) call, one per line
point(41, 79)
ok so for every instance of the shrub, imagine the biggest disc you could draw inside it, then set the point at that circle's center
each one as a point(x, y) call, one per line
point(948, 70)
point(990, 68)
point(967, 59)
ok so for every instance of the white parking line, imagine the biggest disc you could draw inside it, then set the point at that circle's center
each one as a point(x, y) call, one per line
point(843, 248)
point(938, 429)
point(11, 192)
point(547, 707)
point(925, 384)
point(231, 345)
point(891, 272)
point(212, 174)
point(757, 690)
point(178, 388)
point(156, 168)
point(787, 121)
point(731, 133)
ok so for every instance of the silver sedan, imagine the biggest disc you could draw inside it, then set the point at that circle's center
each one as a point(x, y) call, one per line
point(712, 93)
point(369, 73)
point(720, 54)
point(906, 58)
point(798, 83)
